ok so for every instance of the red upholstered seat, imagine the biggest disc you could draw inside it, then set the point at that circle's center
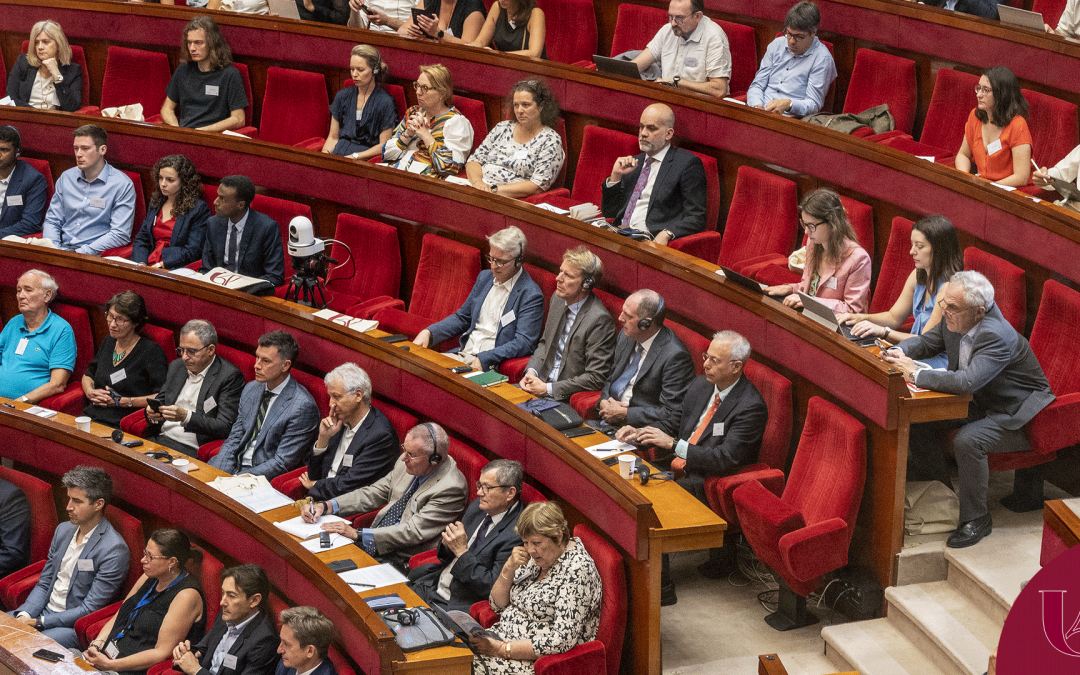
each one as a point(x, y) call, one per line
point(398, 92)
point(136, 218)
point(135, 76)
point(130, 528)
point(71, 400)
point(571, 29)
point(44, 169)
point(695, 342)
point(77, 56)
point(1051, 10)
point(1053, 126)
point(883, 78)
point(477, 115)
point(469, 462)
point(762, 218)
point(896, 265)
point(134, 424)
point(1007, 279)
point(289, 484)
point(943, 129)
point(164, 337)
point(744, 62)
point(600, 148)
point(247, 129)
point(315, 386)
point(88, 627)
point(210, 450)
point(584, 402)
point(282, 211)
point(43, 523)
point(515, 368)
point(242, 360)
point(340, 664)
point(375, 267)
point(635, 25)
point(806, 532)
point(295, 107)
point(399, 419)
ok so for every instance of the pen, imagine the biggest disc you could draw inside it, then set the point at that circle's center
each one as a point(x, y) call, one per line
point(353, 583)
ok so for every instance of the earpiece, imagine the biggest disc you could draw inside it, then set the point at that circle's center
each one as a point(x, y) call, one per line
point(658, 318)
point(435, 457)
point(588, 282)
point(645, 475)
point(590, 279)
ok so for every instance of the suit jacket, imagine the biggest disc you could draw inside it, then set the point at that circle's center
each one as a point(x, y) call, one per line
point(223, 383)
point(589, 348)
point(434, 505)
point(678, 195)
point(187, 240)
point(287, 433)
point(261, 254)
point(324, 668)
point(513, 339)
point(987, 9)
point(14, 529)
point(663, 377)
point(1004, 378)
point(844, 288)
point(20, 84)
point(26, 218)
point(743, 414)
point(89, 590)
point(477, 569)
point(255, 648)
point(372, 453)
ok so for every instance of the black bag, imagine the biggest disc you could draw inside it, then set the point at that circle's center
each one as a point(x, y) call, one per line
point(561, 416)
point(417, 628)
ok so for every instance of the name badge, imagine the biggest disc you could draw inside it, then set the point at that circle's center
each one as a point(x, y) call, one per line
point(718, 429)
point(14, 200)
point(229, 661)
point(22, 346)
point(97, 203)
point(520, 156)
point(416, 167)
point(86, 564)
point(211, 90)
point(111, 650)
point(118, 376)
point(690, 62)
point(347, 460)
point(359, 115)
point(831, 283)
point(508, 318)
point(994, 147)
point(209, 404)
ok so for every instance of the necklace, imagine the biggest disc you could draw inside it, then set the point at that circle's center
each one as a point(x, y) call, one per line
point(117, 357)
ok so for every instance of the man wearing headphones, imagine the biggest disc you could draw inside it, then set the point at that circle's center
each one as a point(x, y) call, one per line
point(501, 318)
point(652, 367)
point(23, 191)
point(575, 352)
point(423, 494)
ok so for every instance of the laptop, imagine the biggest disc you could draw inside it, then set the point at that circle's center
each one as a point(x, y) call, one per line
point(1066, 189)
point(285, 9)
point(1021, 17)
point(821, 313)
point(744, 281)
point(622, 67)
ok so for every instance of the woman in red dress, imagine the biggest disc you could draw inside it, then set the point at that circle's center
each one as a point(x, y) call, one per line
point(174, 230)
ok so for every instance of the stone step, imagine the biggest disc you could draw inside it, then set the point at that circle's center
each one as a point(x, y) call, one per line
point(807, 663)
point(876, 647)
point(991, 576)
point(943, 622)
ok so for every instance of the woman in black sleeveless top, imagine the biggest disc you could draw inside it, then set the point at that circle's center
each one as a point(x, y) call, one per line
point(514, 27)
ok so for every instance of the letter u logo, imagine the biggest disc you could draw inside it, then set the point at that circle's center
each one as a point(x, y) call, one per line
point(1053, 615)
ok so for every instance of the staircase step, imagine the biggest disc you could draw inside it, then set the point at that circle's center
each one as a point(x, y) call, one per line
point(807, 663)
point(944, 622)
point(992, 575)
point(876, 647)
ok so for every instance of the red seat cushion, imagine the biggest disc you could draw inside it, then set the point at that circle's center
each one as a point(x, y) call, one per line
point(374, 267)
point(762, 217)
point(135, 76)
point(600, 148)
point(1010, 294)
point(896, 265)
point(295, 107)
point(950, 104)
point(475, 112)
point(571, 29)
point(883, 78)
point(1053, 126)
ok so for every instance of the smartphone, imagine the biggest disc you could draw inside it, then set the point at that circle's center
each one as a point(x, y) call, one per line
point(461, 369)
point(46, 655)
point(882, 345)
point(368, 11)
point(423, 12)
point(132, 444)
point(397, 337)
point(153, 404)
point(340, 566)
point(159, 454)
point(324, 539)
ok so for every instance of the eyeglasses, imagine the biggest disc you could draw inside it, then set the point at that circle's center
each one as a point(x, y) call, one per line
point(979, 89)
point(146, 556)
point(499, 263)
point(421, 88)
point(712, 360)
point(181, 351)
point(116, 319)
point(484, 489)
point(949, 309)
point(810, 227)
point(409, 455)
point(678, 18)
point(797, 37)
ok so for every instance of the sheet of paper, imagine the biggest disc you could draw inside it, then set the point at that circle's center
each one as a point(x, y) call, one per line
point(1073, 504)
point(336, 541)
point(262, 498)
point(228, 132)
point(1007, 188)
point(298, 528)
point(608, 449)
point(376, 576)
point(553, 209)
point(41, 412)
point(185, 272)
point(929, 158)
point(457, 181)
point(121, 260)
point(734, 100)
point(475, 373)
point(358, 325)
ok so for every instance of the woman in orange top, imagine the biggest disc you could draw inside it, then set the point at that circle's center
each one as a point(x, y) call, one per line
point(996, 136)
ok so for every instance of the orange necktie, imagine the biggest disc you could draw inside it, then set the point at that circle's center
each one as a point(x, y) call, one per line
point(700, 431)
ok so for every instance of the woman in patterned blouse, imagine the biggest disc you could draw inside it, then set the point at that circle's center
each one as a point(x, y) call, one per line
point(434, 138)
point(547, 595)
point(522, 157)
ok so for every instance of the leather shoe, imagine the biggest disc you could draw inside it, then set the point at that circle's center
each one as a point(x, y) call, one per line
point(970, 533)
point(667, 594)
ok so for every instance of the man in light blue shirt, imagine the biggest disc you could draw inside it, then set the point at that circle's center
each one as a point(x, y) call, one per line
point(94, 203)
point(37, 347)
point(797, 68)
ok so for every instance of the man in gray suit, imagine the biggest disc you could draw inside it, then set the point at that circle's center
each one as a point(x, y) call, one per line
point(575, 351)
point(993, 363)
point(422, 495)
point(88, 561)
point(278, 419)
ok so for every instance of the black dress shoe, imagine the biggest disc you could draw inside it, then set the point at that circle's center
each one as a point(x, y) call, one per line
point(667, 595)
point(970, 533)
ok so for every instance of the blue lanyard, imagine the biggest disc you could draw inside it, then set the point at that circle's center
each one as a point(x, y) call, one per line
point(146, 600)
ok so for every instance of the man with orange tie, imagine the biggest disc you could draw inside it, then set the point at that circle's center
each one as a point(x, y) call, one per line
point(719, 428)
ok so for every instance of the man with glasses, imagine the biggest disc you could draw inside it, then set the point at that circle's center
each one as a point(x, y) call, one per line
point(692, 50)
point(717, 429)
point(473, 550)
point(201, 395)
point(797, 68)
point(992, 363)
point(502, 316)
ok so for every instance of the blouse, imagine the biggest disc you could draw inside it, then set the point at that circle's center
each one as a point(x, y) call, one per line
point(997, 165)
point(24, 84)
point(140, 632)
point(510, 37)
point(43, 93)
point(463, 9)
point(506, 161)
point(162, 232)
point(141, 373)
point(453, 135)
point(922, 313)
point(358, 130)
point(844, 287)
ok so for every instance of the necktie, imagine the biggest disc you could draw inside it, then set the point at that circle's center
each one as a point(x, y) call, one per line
point(482, 532)
point(700, 431)
point(264, 405)
point(549, 361)
point(234, 243)
point(620, 384)
point(393, 516)
point(643, 178)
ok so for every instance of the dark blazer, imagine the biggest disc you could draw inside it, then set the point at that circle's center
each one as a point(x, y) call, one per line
point(590, 348)
point(14, 529)
point(90, 590)
point(477, 569)
point(261, 253)
point(187, 240)
point(1003, 376)
point(663, 378)
point(324, 668)
point(286, 436)
point(987, 9)
point(743, 414)
point(678, 196)
point(373, 451)
point(223, 383)
point(24, 219)
point(516, 338)
point(255, 648)
point(20, 84)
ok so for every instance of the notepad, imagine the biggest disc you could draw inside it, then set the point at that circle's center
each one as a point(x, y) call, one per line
point(487, 379)
point(298, 528)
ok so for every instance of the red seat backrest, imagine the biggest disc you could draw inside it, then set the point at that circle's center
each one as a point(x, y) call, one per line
point(164, 337)
point(77, 56)
point(315, 387)
point(883, 78)
point(277, 603)
point(140, 203)
point(283, 211)
point(79, 320)
point(44, 169)
point(375, 269)
point(1053, 334)
point(762, 217)
point(135, 76)
point(609, 564)
point(712, 190)
point(742, 42)
point(242, 360)
point(545, 280)
point(1051, 10)
point(130, 528)
point(469, 462)
point(1053, 126)
point(475, 112)
point(1010, 295)
point(776, 390)
point(696, 343)
point(399, 419)
point(43, 521)
point(444, 276)
point(896, 265)
point(529, 494)
point(395, 90)
point(600, 148)
point(612, 302)
point(242, 67)
point(950, 104)
point(210, 579)
point(861, 217)
point(295, 106)
point(635, 25)
point(571, 30)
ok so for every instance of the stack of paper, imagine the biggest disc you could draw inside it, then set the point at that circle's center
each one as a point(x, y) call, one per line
point(376, 576)
point(609, 449)
point(358, 325)
point(298, 528)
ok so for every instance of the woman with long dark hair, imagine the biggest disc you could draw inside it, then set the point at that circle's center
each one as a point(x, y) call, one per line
point(996, 137)
point(174, 229)
point(514, 27)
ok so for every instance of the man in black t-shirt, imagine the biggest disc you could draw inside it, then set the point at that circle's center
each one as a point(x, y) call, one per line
point(207, 89)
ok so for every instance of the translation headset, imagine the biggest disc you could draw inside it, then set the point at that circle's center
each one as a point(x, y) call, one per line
point(18, 139)
point(645, 474)
point(379, 62)
point(658, 317)
point(404, 617)
point(590, 281)
point(435, 457)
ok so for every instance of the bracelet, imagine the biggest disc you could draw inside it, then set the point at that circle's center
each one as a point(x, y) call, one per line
point(507, 645)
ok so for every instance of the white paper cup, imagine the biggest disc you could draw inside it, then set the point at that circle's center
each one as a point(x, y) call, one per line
point(626, 465)
point(183, 465)
point(83, 423)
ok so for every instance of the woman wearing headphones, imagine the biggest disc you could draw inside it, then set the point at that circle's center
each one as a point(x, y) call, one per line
point(363, 116)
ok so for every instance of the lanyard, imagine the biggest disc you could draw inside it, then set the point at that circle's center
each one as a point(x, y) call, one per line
point(146, 600)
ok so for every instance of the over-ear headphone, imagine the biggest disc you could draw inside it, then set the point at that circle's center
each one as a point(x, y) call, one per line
point(435, 457)
point(645, 475)
point(658, 317)
point(17, 143)
point(590, 280)
point(403, 616)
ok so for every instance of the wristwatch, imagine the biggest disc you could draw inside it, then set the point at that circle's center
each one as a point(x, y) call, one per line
point(675, 80)
point(440, 34)
point(494, 189)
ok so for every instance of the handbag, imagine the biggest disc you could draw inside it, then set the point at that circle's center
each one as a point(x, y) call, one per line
point(930, 507)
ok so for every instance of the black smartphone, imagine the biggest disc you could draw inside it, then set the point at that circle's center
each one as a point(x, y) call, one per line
point(153, 404)
point(324, 539)
point(578, 431)
point(461, 369)
point(46, 655)
point(159, 454)
point(132, 444)
point(397, 337)
point(368, 11)
point(422, 12)
point(340, 566)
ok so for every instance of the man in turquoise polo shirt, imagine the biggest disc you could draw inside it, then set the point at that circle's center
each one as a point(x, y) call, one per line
point(37, 347)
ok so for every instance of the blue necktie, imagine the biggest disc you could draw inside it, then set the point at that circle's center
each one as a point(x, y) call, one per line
point(619, 385)
point(234, 244)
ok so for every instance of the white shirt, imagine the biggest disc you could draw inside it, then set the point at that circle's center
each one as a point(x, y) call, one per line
point(629, 392)
point(245, 461)
point(704, 54)
point(58, 597)
point(1069, 23)
point(227, 641)
point(446, 577)
point(346, 440)
point(641, 208)
point(482, 337)
point(188, 400)
point(4, 183)
point(309, 672)
point(43, 94)
point(239, 237)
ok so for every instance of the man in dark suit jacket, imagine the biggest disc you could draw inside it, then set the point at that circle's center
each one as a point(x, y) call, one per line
point(243, 631)
point(201, 395)
point(993, 363)
point(574, 354)
point(501, 318)
point(278, 419)
point(305, 642)
point(14, 529)
point(669, 201)
point(473, 550)
point(652, 367)
point(256, 251)
point(986, 9)
point(22, 208)
point(357, 445)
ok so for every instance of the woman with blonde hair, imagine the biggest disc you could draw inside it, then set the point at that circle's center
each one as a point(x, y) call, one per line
point(362, 117)
point(44, 77)
point(433, 139)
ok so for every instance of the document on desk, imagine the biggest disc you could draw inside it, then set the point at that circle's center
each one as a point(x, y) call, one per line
point(358, 325)
point(41, 412)
point(298, 528)
point(336, 541)
point(376, 576)
point(553, 209)
point(609, 449)
point(254, 492)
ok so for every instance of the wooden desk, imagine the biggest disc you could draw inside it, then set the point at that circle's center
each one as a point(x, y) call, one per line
point(17, 645)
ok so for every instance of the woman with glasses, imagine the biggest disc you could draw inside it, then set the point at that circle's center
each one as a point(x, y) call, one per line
point(174, 230)
point(522, 157)
point(936, 252)
point(514, 27)
point(164, 608)
point(127, 368)
point(44, 77)
point(362, 116)
point(996, 137)
point(433, 139)
point(837, 269)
